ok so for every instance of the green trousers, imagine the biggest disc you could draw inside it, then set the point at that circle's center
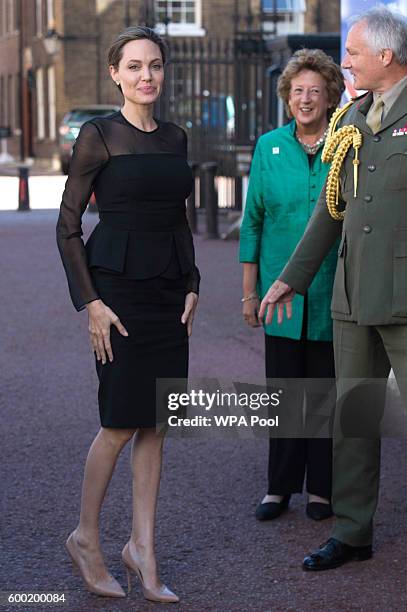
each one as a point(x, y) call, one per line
point(362, 352)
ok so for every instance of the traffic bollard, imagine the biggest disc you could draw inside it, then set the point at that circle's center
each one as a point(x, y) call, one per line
point(23, 190)
point(209, 198)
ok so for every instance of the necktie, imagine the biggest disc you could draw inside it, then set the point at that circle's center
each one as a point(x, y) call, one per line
point(374, 116)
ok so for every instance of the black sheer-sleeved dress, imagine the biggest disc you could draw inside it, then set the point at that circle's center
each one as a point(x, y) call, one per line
point(139, 259)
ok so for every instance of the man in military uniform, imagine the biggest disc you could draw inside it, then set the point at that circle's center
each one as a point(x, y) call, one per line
point(369, 304)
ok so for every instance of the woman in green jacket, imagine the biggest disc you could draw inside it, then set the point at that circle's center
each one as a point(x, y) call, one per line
point(286, 177)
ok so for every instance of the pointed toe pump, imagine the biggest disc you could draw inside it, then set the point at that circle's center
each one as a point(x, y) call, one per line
point(103, 588)
point(161, 594)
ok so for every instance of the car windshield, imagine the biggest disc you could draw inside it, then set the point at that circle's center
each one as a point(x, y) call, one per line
point(85, 114)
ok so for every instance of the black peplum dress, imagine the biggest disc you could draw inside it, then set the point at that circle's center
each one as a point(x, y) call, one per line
point(139, 259)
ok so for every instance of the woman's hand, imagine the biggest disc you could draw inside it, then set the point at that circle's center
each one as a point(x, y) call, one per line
point(191, 302)
point(250, 312)
point(101, 317)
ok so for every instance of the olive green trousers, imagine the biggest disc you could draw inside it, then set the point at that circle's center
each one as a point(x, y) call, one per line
point(364, 356)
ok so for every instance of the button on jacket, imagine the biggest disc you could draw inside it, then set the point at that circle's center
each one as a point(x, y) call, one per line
point(371, 277)
point(282, 192)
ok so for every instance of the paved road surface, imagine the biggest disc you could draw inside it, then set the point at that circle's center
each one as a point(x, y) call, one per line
point(212, 551)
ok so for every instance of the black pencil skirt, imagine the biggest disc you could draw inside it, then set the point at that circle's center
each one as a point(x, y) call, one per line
point(157, 346)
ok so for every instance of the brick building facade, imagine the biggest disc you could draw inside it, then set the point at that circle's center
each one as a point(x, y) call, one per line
point(40, 82)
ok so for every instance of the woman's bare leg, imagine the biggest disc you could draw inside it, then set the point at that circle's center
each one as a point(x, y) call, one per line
point(99, 467)
point(146, 465)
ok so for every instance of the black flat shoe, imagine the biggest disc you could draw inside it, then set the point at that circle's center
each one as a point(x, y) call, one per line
point(317, 511)
point(272, 510)
point(334, 554)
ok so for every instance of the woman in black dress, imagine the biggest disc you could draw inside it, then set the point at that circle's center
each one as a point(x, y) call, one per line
point(138, 280)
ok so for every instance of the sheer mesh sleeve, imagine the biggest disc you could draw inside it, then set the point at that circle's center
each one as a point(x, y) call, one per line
point(89, 156)
point(193, 281)
point(194, 276)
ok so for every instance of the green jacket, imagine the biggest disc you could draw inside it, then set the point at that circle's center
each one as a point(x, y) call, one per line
point(371, 277)
point(283, 190)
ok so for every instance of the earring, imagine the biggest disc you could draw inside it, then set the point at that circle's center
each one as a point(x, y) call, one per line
point(117, 82)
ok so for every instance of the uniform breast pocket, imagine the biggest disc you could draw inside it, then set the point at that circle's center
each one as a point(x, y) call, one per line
point(399, 302)
point(395, 169)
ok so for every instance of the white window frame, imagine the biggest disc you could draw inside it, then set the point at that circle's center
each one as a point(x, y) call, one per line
point(50, 14)
point(293, 7)
point(291, 20)
point(39, 18)
point(184, 29)
point(52, 132)
point(39, 85)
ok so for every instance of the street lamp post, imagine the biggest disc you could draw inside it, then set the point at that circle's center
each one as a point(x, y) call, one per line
point(53, 43)
point(20, 73)
point(53, 40)
point(25, 85)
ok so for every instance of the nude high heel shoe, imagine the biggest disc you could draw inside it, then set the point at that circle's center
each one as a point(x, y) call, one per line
point(105, 588)
point(162, 594)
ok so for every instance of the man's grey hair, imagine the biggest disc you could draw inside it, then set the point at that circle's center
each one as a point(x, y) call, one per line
point(385, 29)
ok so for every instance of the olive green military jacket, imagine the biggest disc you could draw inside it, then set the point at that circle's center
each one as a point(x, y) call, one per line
point(370, 284)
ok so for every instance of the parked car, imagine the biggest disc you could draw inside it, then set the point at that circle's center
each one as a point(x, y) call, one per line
point(70, 126)
point(215, 112)
point(218, 112)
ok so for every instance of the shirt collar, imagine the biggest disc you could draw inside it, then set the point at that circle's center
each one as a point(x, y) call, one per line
point(390, 96)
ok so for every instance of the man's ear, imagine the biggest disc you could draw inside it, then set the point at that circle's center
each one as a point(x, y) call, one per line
point(386, 55)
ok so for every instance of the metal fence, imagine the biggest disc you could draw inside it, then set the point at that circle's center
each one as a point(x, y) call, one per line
point(223, 93)
point(215, 89)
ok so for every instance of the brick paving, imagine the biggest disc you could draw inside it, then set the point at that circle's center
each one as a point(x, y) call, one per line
point(212, 551)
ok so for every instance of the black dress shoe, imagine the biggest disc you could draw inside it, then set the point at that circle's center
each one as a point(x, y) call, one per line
point(335, 553)
point(317, 511)
point(272, 510)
